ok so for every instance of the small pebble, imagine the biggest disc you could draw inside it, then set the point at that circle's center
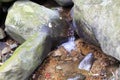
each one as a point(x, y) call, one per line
point(58, 67)
point(77, 77)
point(34, 75)
point(60, 18)
point(2, 34)
point(68, 59)
point(57, 53)
point(50, 25)
point(6, 50)
point(87, 62)
point(75, 59)
point(5, 57)
point(14, 45)
point(1, 64)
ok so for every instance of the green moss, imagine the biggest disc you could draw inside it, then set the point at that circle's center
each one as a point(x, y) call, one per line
point(18, 51)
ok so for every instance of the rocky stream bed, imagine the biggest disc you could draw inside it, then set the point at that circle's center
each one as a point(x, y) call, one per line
point(59, 40)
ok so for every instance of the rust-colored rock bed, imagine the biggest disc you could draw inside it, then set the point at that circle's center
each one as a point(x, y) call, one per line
point(61, 65)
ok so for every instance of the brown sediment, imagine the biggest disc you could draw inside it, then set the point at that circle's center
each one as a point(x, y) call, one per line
point(65, 65)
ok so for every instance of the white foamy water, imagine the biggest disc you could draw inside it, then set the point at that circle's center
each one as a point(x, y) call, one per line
point(70, 45)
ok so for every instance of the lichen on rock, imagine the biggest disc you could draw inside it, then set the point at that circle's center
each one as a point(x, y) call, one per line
point(26, 58)
point(98, 23)
point(25, 18)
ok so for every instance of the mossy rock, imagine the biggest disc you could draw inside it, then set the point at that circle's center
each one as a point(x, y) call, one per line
point(25, 18)
point(26, 58)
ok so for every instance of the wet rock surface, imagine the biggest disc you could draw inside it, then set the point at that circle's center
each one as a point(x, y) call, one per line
point(63, 61)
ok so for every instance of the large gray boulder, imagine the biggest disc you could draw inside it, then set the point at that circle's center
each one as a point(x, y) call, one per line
point(26, 58)
point(64, 2)
point(98, 22)
point(26, 18)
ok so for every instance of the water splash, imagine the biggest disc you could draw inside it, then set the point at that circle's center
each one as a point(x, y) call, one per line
point(70, 45)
